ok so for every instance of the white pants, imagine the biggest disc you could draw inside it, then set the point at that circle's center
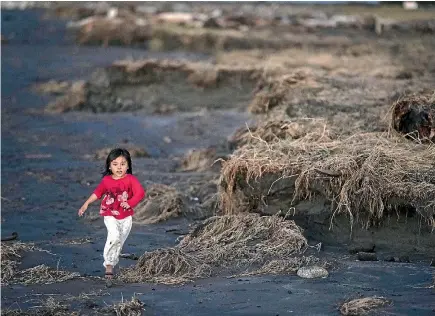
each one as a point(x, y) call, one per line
point(117, 233)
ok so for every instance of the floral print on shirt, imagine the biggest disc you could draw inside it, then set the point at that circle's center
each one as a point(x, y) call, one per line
point(112, 202)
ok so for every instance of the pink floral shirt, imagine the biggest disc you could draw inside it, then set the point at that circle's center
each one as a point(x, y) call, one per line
point(127, 189)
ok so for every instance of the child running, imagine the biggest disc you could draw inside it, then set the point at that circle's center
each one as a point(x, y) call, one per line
point(122, 192)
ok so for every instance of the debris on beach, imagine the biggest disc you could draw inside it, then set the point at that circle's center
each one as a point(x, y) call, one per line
point(167, 84)
point(244, 242)
point(199, 159)
point(271, 92)
point(53, 87)
point(49, 306)
point(133, 307)
point(162, 202)
point(277, 129)
point(362, 306)
point(10, 256)
point(72, 100)
point(364, 176)
point(43, 274)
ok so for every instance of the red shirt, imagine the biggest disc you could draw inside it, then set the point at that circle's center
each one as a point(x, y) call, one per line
point(116, 191)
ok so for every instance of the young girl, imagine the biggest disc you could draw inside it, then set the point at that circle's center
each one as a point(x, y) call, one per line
point(122, 192)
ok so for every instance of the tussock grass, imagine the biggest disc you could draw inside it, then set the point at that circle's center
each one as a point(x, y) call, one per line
point(43, 274)
point(10, 256)
point(367, 173)
point(362, 306)
point(243, 242)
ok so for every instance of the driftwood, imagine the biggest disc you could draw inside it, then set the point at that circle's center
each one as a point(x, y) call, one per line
point(13, 236)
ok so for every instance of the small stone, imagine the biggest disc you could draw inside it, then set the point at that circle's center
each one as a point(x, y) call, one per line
point(312, 272)
point(404, 259)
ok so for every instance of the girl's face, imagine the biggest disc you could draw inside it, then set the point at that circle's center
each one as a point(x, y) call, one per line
point(119, 167)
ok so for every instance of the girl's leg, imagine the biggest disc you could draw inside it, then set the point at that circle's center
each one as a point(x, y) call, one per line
point(113, 242)
point(124, 230)
point(118, 231)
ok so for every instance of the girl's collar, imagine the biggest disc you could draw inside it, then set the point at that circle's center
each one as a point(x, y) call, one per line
point(111, 177)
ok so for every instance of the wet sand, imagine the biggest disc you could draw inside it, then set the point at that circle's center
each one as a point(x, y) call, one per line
point(41, 195)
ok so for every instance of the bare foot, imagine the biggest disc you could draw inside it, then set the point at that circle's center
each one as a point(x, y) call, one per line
point(109, 272)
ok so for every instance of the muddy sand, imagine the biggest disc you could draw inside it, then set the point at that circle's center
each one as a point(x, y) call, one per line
point(180, 112)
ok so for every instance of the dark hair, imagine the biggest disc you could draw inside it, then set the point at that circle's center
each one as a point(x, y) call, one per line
point(115, 153)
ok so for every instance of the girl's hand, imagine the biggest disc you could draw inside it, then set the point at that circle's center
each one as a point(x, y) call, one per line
point(125, 205)
point(83, 209)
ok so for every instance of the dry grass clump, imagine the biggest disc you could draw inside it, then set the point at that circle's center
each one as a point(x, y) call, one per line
point(76, 241)
point(414, 116)
point(48, 307)
point(287, 266)
point(52, 87)
point(362, 174)
point(206, 78)
point(43, 274)
point(198, 159)
point(167, 266)
point(72, 12)
point(74, 99)
point(134, 307)
point(363, 306)
point(129, 85)
point(197, 73)
point(243, 242)
point(272, 91)
point(145, 71)
point(112, 31)
point(161, 203)
point(170, 37)
point(352, 59)
point(275, 130)
point(10, 256)
point(8, 268)
point(269, 93)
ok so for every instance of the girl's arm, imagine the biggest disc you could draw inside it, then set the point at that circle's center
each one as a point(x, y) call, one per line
point(138, 192)
point(99, 191)
point(85, 205)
